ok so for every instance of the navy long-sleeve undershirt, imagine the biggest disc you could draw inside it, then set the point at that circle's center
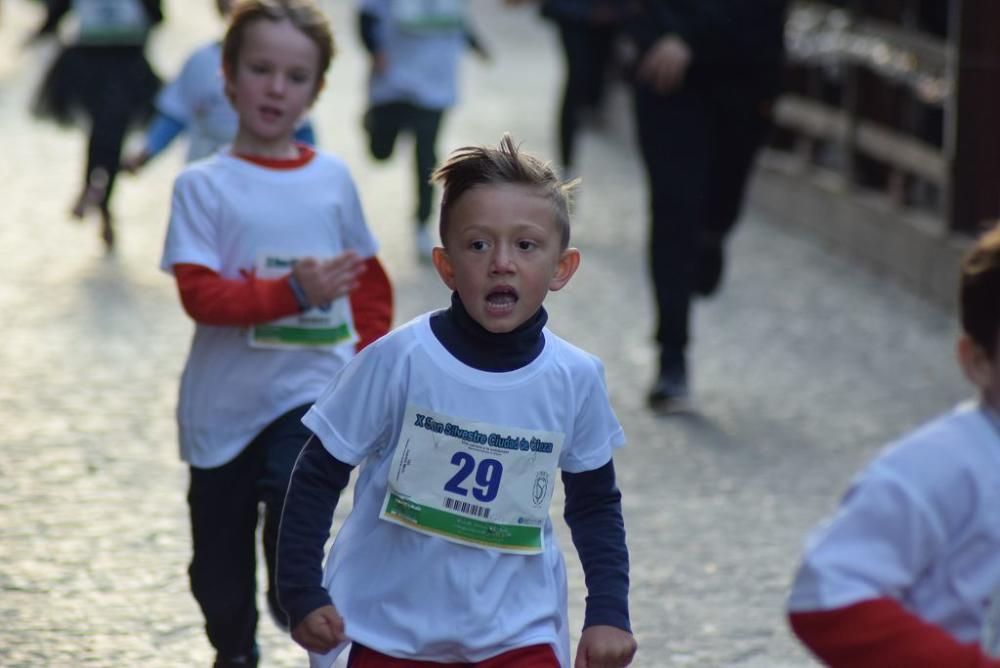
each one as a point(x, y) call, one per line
point(592, 510)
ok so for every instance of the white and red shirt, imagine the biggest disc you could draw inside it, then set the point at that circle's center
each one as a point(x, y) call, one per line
point(920, 525)
point(226, 213)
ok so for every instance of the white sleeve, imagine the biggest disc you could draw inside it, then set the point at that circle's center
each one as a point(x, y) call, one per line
point(881, 538)
point(357, 411)
point(596, 431)
point(191, 234)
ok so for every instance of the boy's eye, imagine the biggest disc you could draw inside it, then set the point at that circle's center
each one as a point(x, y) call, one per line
point(299, 77)
point(526, 244)
point(478, 245)
point(258, 68)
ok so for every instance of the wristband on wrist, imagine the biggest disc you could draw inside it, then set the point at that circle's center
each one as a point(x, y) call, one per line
point(300, 294)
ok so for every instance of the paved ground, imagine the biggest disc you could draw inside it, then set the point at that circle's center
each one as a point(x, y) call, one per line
point(803, 366)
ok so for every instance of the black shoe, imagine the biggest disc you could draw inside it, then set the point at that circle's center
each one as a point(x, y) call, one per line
point(708, 275)
point(669, 393)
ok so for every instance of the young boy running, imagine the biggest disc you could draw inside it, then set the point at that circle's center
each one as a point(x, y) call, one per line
point(459, 420)
point(906, 572)
point(275, 264)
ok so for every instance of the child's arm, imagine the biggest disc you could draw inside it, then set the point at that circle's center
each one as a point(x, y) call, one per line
point(879, 633)
point(305, 133)
point(163, 129)
point(368, 28)
point(475, 42)
point(313, 492)
point(368, 31)
point(594, 515)
point(213, 300)
point(371, 303)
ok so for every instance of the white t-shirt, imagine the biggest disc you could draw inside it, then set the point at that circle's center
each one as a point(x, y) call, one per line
point(921, 524)
point(423, 41)
point(407, 593)
point(225, 214)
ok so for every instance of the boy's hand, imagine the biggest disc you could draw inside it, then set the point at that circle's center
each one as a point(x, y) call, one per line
point(321, 630)
point(605, 647)
point(326, 280)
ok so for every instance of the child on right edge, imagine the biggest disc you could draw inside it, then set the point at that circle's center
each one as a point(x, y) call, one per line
point(459, 420)
point(907, 572)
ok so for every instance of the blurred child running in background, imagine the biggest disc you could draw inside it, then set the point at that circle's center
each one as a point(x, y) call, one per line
point(103, 76)
point(276, 265)
point(415, 47)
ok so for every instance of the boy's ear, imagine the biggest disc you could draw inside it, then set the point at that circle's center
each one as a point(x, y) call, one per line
point(974, 362)
point(439, 256)
point(569, 262)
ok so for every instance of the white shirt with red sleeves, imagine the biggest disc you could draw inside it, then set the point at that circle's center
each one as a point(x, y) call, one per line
point(920, 524)
point(225, 213)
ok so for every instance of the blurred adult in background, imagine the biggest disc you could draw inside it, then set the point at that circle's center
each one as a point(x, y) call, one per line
point(706, 74)
point(587, 31)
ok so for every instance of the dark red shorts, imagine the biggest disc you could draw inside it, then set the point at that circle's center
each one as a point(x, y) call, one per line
point(534, 656)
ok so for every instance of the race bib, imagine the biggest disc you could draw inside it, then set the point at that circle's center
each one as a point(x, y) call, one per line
point(106, 19)
point(472, 483)
point(427, 15)
point(325, 327)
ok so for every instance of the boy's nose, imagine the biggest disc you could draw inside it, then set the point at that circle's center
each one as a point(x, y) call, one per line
point(277, 84)
point(503, 260)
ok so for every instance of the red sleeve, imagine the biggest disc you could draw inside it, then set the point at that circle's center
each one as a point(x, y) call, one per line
point(371, 303)
point(212, 300)
point(880, 633)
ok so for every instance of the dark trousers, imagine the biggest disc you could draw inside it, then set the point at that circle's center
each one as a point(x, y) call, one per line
point(104, 146)
point(385, 122)
point(698, 148)
point(587, 49)
point(225, 511)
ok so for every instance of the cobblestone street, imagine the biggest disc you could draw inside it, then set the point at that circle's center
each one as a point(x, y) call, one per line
point(802, 367)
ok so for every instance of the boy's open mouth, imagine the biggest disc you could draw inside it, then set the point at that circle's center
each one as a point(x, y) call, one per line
point(270, 113)
point(502, 297)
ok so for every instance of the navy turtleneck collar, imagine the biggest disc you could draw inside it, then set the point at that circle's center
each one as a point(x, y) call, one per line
point(474, 345)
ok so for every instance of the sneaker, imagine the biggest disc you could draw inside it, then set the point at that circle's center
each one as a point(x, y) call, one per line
point(93, 192)
point(669, 393)
point(425, 244)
